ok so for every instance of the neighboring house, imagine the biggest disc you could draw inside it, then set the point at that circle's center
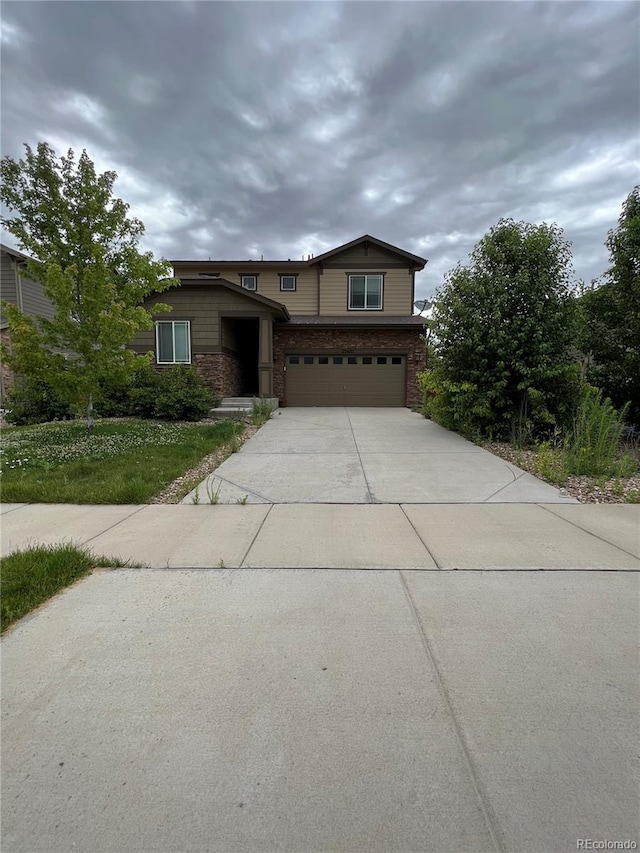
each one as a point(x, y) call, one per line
point(333, 330)
point(17, 287)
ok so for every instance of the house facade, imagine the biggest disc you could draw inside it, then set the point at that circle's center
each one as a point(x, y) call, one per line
point(332, 330)
point(17, 287)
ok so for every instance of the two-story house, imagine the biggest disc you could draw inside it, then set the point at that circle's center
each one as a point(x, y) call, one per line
point(332, 330)
point(17, 287)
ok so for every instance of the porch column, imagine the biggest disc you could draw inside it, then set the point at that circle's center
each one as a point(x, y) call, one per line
point(265, 358)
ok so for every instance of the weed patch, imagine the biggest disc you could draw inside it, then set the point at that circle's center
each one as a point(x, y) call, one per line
point(31, 576)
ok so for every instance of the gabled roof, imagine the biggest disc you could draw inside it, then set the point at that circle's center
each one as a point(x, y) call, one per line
point(204, 281)
point(19, 256)
point(416, 260)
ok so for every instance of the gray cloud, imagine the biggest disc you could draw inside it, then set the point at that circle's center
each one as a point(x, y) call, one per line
point(241, 129)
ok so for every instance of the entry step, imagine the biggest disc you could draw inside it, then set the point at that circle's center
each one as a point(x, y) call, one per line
point(239, 407)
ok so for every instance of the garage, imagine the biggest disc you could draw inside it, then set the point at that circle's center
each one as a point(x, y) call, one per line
point(345, 380)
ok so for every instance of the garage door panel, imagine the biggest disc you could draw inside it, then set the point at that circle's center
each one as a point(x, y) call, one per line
point(379, 382)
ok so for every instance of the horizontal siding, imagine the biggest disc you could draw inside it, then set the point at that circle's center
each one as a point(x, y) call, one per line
point(189, 303)
point(33, 299)
point(396, 297)
point(202, 307)
point(8, 280)
point(303, 300)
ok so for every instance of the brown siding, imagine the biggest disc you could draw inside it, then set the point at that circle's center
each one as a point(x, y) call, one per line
point(303, 300)
point(23, 291)
point(34, 301)
point(202, 306)
point(8, 280)
point(334, 291)
point(409, 342)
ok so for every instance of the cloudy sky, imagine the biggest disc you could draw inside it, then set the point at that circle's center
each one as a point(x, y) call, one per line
point(241, 129)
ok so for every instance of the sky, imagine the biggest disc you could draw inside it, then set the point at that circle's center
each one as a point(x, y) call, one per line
point(248, 129)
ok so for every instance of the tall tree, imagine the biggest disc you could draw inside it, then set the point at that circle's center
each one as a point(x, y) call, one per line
point(612, 330)
point(84, 250)
point(503, 331)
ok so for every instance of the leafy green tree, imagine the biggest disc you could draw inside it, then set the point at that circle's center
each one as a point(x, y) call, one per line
point(612, 313)
point(84, 251)
point(503, 330)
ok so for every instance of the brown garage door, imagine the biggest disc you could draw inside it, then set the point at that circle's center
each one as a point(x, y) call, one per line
point(345, 380)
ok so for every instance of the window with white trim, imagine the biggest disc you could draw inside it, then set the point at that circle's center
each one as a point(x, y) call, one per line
point(173, 342)
point(365, 292)
point(249, 282)
point(287, 282)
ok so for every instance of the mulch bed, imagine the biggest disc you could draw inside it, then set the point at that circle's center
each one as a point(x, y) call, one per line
point(181, 487)
point(588, 490)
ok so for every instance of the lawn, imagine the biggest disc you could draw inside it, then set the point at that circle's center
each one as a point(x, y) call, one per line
point(29, 577)
point(127, 461)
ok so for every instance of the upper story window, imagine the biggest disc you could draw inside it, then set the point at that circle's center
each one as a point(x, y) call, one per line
point(249, 282)
point(173, 342)
point(287, 282)
point(365, 292)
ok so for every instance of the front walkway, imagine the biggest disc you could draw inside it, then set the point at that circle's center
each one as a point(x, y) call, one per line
point(362, 456)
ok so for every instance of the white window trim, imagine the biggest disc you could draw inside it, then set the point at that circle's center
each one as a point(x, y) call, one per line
point(249, 275)
point(366, 276)
point(289, 289)
point(173, 340)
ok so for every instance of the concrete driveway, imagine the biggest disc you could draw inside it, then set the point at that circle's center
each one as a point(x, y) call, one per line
point(361, 456)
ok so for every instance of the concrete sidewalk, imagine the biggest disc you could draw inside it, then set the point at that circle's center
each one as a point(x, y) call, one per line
point(193, 710)
point(365, 536)
point(419, 705)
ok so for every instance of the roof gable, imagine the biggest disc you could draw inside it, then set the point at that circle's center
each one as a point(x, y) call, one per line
point(203, 280)
point(367, 240)
point(14, 253)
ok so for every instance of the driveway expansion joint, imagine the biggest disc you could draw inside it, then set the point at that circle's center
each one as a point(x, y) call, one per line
point(483, 803)
point(366, 482)
point(242, 488)
point(15, 508)
point(590, 532)
point(251, 544)
point(426, 547)
point(115, 524)
point(506, 486)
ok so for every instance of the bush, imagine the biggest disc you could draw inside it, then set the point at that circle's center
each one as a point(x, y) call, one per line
point(477, 412)
point(182, 396)
point(176, 393)
point(593, 444)
point(33, 401)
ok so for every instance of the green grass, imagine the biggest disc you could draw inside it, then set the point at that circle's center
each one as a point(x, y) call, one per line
point(122, 462)
point(29, 577)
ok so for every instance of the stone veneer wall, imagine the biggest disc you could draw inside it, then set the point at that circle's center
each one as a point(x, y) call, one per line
point(409, 342)
point(221, 371)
